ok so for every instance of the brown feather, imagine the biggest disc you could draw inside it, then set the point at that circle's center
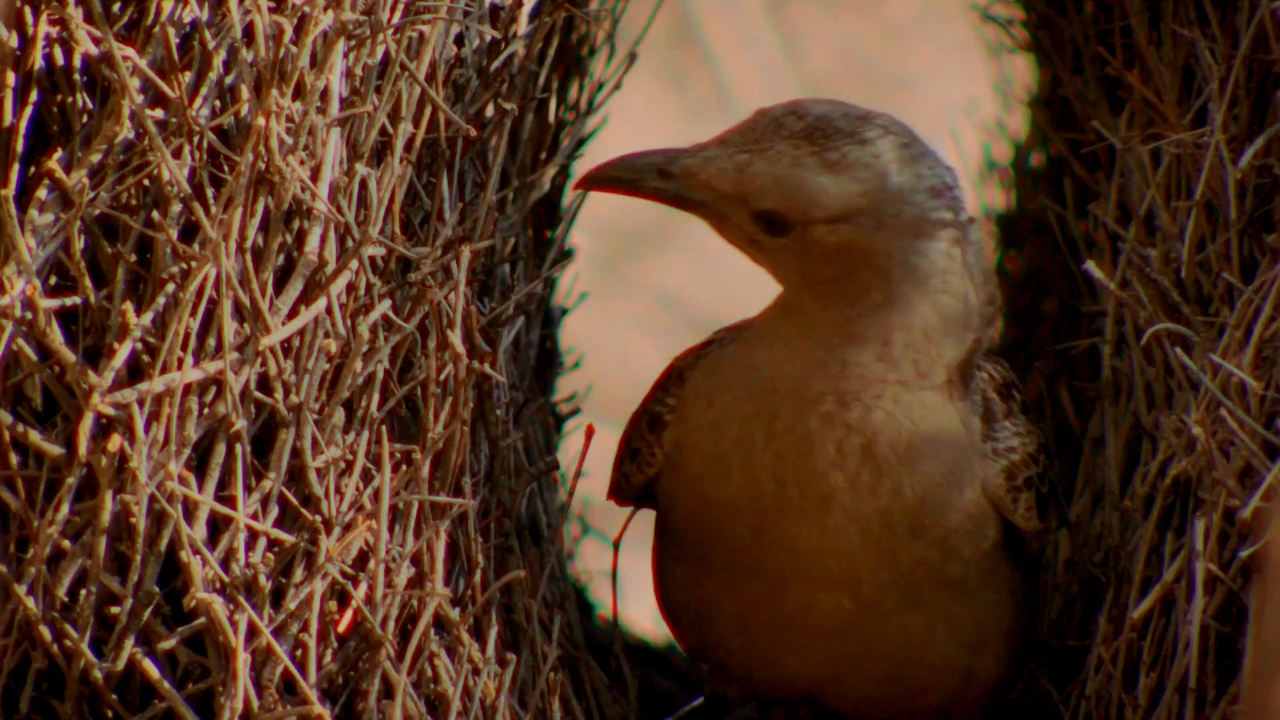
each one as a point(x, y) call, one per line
point(1013, 443)
point(638, 462)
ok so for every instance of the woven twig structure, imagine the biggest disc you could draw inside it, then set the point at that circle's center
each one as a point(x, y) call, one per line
point(1141, 282)
point(276, 357)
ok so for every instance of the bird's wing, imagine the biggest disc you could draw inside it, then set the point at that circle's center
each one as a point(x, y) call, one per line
point(1013, 443)
point(643, 445)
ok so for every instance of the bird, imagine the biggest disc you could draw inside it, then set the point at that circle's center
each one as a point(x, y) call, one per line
point(846, 485)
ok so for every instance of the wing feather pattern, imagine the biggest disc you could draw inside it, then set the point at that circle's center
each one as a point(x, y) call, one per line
point(643, 445)
point(1013, 443)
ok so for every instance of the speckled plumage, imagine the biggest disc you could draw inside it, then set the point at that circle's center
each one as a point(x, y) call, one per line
point(833, 478)
point(1013, 443)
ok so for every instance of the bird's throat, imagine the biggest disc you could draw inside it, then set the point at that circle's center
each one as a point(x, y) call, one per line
point(897, 333)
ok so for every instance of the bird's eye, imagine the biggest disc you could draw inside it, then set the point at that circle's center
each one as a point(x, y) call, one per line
point(772, 223)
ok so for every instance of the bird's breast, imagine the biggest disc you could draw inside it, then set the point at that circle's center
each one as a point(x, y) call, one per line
point(841, 516)
point(828, 439)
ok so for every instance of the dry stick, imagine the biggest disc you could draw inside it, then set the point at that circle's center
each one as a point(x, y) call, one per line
point(1196, 609)
point(172, 697)
point(632, 688)
point(1260, 692)
point(588, 434)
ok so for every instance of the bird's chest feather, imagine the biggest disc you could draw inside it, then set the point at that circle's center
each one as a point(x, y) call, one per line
point(799, 447)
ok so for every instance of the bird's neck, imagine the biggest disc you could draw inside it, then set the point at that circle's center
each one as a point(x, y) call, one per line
point(906, 316)
point(926, 328)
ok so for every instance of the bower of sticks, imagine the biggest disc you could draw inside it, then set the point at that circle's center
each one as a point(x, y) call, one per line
point(1141, 275)
point(277, 349)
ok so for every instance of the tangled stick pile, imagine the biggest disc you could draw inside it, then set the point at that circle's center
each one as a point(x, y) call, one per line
point(1143, 274)
point(276, 358)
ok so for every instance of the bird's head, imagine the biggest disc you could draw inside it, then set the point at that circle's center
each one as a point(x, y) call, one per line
point(812, 190)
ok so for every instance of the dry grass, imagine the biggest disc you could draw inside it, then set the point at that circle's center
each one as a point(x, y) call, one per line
point(276, 354)
point(1143, 280)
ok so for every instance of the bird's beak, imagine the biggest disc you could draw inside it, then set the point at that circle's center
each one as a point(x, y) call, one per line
point(661, 176)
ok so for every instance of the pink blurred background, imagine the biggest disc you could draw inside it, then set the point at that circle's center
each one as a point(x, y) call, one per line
point(658, 281)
